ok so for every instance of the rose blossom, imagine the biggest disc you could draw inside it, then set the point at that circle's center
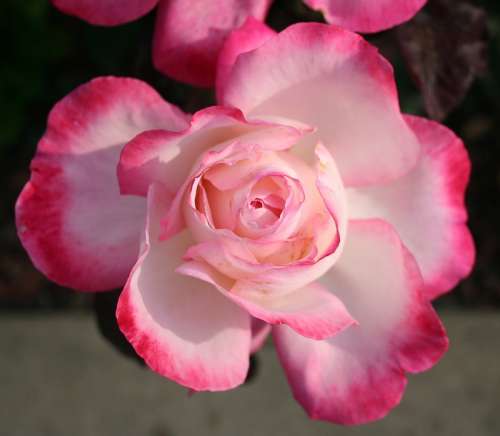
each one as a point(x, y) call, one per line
point(190, 33)
point(307, 202)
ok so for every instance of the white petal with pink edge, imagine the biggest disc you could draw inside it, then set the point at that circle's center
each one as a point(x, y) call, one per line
point(182, 327)
point(427, 207)
point(335, 81)
point(359, 375)
point(70, 217)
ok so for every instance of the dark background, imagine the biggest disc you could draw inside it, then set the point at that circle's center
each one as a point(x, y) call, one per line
point(47, 54)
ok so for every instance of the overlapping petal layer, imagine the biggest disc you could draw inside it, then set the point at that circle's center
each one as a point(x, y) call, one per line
point(333, 80)
point(181, 326)
point(190, 33)
point(359, 375)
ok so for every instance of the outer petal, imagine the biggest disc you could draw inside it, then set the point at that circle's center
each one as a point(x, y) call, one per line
point(71, 219)
point(367, 15)
point(334, 80)
point(169, 157)
point(359, 375)
point(248, 37)
point(190, 33)
point(427, 207)
point(182, 327)
point(106, 12)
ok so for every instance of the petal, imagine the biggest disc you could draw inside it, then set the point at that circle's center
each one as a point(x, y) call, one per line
point(331, 79)
point(106, 12)
point(71, 219)
point(190, 33)
point(367, 15)
point(311, 311)
point(182, 327)
point(427, 207)
point(169, 157)
point(359, 375)
point(249, 36)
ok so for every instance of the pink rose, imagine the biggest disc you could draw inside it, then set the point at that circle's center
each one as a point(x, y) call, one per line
point(190, 33)
point(316, 208)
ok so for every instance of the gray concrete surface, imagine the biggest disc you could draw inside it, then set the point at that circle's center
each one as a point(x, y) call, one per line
point(58, 377)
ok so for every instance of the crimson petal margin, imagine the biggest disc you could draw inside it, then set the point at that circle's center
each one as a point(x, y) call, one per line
point(427, 207)
point(70, 216)
point(333, 80)
point(183, 328)
point(358, 376)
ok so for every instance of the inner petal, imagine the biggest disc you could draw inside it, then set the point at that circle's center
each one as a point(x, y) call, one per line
point(264, 207)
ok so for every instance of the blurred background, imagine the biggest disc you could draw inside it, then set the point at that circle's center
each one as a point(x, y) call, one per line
point(62, 365)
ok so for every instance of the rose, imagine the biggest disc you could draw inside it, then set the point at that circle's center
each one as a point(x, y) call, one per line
point(190, 33)
point(316, 207)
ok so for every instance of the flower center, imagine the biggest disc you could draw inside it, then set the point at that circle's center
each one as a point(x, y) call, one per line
point(257, 203)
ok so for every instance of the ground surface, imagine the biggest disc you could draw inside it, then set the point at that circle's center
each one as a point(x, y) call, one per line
point(58, 377)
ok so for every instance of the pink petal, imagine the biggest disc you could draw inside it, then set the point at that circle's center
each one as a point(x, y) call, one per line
point(427, 207)
point(71, 219)
point(331, 79)
point(190, 33)
point(248, 37)
point(169, 157)
point(182, 327)
point(359, 375)
point(367, 15)
point(106, 12)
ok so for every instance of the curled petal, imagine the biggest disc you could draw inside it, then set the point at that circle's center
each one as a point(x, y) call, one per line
point(311, 311)
point(169, 156)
